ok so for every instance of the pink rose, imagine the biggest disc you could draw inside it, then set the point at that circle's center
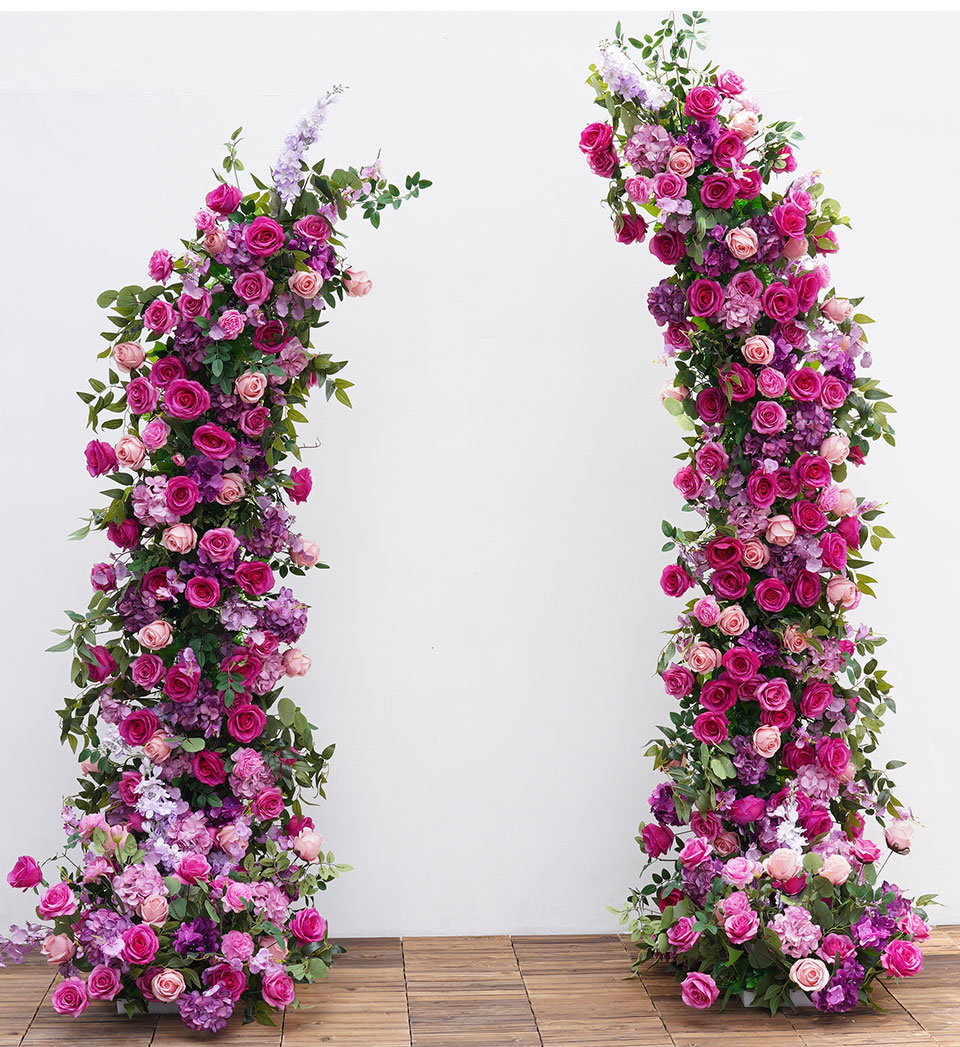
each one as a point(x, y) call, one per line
point(837, 309)
point(841, 590)
point(755, 553)
point(702, 658)
point(695, 852)
point(156, 635)
point(768, 418)
point(219, 544)
point(254, 577)
point(810, 974)
point(179, 538)
point(835, 449)
point(740, 872)
point(128, 356)
point(357, 283)
point(214, 441)
point(781, 530)
point(681, 161)
point(782, 864)
point(214, 241)
point(305, 283)
point(25, 873)
point(103, 983)
point(155, 434)
point(681, 935)
point(766, 741)
point(193, 868)
point(268, 804)
point(703, 103)
point(253, 287)
point(263, 237)
point(229, 326)
point(899, 834)
point(237, 945)
point(771, 382)
point(250, 386)
point(836, 869)
point(742, 244)
point(313, 227)
point(140, 944)
point(160, 316)
point(58, 948)
point(308, 926)
point(758, 349)
point(130, 452)
point(58, 900)
point(308, 844)
point(296, 663)
point(225, 199)
point(902, 959)
point(278, 989)
point(699, 990)
point(732, 621)
point(740, 927)
point(707, 611)
point(185, 399)
point(167, 985)
point(307, 555)
point(231, 489)
point(153, 910)
point(70, 997)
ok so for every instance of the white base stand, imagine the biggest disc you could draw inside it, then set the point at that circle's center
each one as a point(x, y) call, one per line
point(797, 997)
point(153, 1007)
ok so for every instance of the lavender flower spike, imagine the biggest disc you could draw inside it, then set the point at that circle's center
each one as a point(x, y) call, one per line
point(288, 170)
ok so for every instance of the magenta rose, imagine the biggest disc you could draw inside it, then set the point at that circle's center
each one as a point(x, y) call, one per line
point(193, 868)
point(278, 989)
point(58, 900)
point(741, 663)
point(833, 393)
point(833, 551)
point(808, 517)
point(738, 381)
point(180, 685)
point(657, 839)
point(849, 528)
point(902, 959)
point(677, 680)
point(219, 544)
point(747, 809)
point(185, 399)
point(301, 486)
point(704, 297)
point(160, 316)
point(712, 459)
point(807, 286)
point(790, 220)
point(702, 102)
point(603, 163)
point(214, 442)
point(25, 873)
point(103, 983)
point(270, 337)
point(268, 804)
point(182, 495)
point(724, 551)
point(595, 138)
point(254, 577)
point(813, 471)
point(687, 482)
point(140, 945)
point(630, 229)
point(674, 580)
point(774, 694)
point(740, 927)
point(70, 997)
point(699, 990)
point(815, 699)
point(669, 246)
point(749, 182)
point(806, 588)
point(718, 191)
point(208, 768)
point(202, 592)
point(253, 287)
point(142, 396)
point(245, 721)
point(762, 488)
point(138, 727)
point(225, 199)
point(730, 583)
point(729, 149)
point(711, 728)
point(771, 595)
point(804, 384)
point(718, 696)
point(308, 926)
point(313, 227)
point(255, 421)
point(125, 533)
point(768, 418)
point(780, 302)
point(833, 755)
point(711, 405)
point(100, 457)
point(263, 236)
point(231, 978)
point(166, 370)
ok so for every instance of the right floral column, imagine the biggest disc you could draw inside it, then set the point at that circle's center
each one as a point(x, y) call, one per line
point(762, 879)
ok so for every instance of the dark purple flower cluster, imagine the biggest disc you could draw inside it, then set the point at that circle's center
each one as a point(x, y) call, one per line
point(843, 989)
point(200, 936)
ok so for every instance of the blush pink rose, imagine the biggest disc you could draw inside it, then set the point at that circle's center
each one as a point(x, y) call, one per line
point(782, 864)
point(231, 489)
point(841, 590)
point(214, 241)
point(128, 356)
point(836, 869)
point(837, 309)
point(836, 449)
point(732, 621)
point(156, 748)
point(156, 635)
point(179, 538)
point(58, 948)
point(899, 834)
point(250, 386)
point(308, 844)
point(702, 658)
point(167, 985)
point(681, 161)
point(305, 283)
point(810, 974)
point(744, 122)
point(781, 530)
point(357, 283)
point(755, 553)
point(707, 611)
point(742, 243)
point(794, 640)
point(307, 555)
point(153, 910)
point(296, 663)
point(130, 451)
point(766, 740)
point(758, 349)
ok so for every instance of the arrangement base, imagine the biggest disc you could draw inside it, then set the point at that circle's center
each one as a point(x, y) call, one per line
point(153, 1007)
point(797, 997)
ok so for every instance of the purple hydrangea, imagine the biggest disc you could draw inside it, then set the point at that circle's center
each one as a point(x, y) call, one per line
point(197, 936)
point(842, 991)
point(667, 303)
point(207, 1011)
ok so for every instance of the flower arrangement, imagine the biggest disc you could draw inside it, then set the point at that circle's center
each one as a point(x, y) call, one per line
point(770, 884)
point(198, 866)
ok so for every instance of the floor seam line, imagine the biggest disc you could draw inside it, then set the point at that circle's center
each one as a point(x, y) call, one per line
point(526, 991)
point(406, 991)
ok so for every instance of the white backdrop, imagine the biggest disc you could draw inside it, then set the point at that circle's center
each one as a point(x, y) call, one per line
point(485, 642)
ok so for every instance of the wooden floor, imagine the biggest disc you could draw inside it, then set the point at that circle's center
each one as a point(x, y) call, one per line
point(507, 992)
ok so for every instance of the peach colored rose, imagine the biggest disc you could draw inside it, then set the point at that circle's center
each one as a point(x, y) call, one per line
point(794, 640)
point(795, 248)
point(742, 243)
point(810, 974)
point(782, 864)
point(726, 843)
point(681, 161)
point(758, 350)
point(781, 530)
point(231, 489)
point(732, 621)
point(167, 985)
point(837, 309)
point(841, 590)
point(673, 392)
point(755, 553)
point(357, 283)
point(180, 538)
point(296, 663)
point(156, 635)
point(308, 844)
point(899, 834)
point(130, 452)
point(306, 283)
point(153, 910)
point(307, 555)
point(745, 122)
point(846, 502)
point(766, 740)
point(836, 869)
point(250, 386)
point(128, 355)
point(156, 748)
point(214, 241)
point(835, 449)
point(702, 658)
point(58, 948)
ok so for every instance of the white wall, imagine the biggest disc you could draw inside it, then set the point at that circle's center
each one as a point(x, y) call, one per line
point(486, 640)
